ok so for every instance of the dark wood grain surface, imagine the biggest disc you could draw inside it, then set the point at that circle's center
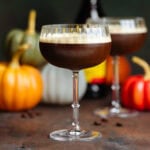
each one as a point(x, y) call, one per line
point(29, 130)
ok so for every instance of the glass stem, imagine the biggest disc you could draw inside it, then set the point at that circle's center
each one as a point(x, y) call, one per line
point(75, 105)
point(115, 85)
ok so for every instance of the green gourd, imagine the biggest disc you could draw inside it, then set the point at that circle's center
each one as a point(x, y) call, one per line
point(17, 37)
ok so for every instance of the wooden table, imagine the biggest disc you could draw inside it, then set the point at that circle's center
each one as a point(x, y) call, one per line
point(29, 130)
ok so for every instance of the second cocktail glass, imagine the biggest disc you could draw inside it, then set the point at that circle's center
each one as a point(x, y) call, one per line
point(75, 47)
point(128, 35)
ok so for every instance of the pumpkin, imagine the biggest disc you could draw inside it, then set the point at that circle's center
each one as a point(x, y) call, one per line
point(124, 69)
point(58, 85)
point(20, 85)
point(16, 37)
point(136, 89)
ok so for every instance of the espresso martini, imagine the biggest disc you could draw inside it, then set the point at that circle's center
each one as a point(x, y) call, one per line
point(75, 51)
point(75, 47)
point(128, 35)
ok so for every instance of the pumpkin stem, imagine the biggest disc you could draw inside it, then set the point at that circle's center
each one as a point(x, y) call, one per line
point(144, 65)
point(17, 55)
point(31, 22)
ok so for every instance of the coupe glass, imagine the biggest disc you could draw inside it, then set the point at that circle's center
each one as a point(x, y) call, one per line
point(75, 47)
point(128, 35)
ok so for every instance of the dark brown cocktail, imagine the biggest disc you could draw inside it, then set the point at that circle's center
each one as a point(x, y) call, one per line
point(75, 56)
point(77, 49)
point(124, 43)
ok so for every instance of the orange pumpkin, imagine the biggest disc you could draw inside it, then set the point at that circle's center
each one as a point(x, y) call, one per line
point(124, 69)
point(20, 85)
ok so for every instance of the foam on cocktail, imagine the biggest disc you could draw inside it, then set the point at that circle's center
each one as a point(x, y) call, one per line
point(75, 38)
point(123, 29)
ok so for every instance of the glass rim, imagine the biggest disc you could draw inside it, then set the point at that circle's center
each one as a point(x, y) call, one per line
point(119, 20)
point(75, 25)
point(124, 18)
point(125, 23)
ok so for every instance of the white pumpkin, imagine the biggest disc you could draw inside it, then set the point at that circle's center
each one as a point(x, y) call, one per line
point(58, 85)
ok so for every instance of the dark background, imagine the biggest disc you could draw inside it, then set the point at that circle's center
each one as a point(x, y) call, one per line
point(14, 14)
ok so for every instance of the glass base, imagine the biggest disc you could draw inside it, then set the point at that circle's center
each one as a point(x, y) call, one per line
point(115, 112)
point(71, 135)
